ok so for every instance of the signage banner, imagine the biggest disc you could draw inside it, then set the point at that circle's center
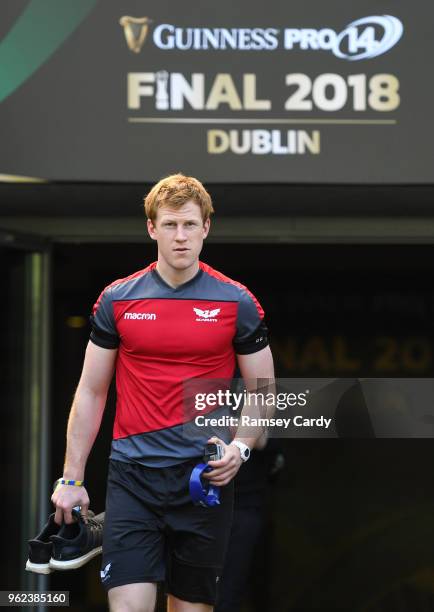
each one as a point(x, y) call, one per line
point(247, 91)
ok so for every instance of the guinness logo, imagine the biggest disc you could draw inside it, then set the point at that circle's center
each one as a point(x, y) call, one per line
point(135, 30)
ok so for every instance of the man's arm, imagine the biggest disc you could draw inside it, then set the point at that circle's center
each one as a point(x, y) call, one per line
point(257, 370)
point(83, 425)
point(254, 367)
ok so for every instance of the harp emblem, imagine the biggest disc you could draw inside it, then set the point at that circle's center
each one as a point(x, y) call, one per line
point(135, 30)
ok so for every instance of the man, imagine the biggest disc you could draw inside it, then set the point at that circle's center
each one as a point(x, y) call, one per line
point(175, 320)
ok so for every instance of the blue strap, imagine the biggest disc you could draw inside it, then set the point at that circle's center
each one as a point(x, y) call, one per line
point(208, 495)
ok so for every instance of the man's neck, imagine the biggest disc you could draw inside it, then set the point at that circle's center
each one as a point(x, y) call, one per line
point(174, 277)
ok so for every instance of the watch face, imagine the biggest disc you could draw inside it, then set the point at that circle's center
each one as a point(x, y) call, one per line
point(244, 450)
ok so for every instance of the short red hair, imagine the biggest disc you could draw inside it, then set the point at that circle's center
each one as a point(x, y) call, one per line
point(175, 190)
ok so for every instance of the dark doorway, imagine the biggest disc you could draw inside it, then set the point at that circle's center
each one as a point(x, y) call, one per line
point(332, 311)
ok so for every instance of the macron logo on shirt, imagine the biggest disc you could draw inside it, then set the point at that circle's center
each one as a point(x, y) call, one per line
point(148, 316)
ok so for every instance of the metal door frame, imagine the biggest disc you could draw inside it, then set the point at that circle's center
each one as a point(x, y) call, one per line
point(36, 400)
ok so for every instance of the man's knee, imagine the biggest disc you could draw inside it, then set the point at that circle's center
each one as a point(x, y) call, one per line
point(139, 597)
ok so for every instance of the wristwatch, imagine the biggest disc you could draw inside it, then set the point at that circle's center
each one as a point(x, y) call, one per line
point(244, 450)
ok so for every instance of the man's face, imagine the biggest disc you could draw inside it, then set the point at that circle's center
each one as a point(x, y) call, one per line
point(179, 234)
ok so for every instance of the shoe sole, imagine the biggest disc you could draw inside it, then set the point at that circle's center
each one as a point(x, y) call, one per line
point(74, 563)
point(38, 568)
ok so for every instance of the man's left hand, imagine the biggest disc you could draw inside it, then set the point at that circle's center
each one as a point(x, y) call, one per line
point(226, 468)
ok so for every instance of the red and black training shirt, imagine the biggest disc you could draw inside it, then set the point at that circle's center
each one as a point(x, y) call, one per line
point(165, 336)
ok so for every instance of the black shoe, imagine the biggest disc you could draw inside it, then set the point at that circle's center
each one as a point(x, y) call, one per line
point(40, 549)
point(77, 543)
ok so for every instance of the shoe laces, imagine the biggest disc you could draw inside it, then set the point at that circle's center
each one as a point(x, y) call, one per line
point(93, 523)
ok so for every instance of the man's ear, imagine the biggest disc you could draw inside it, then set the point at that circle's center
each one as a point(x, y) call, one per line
point(151, 229)
point(206, 227)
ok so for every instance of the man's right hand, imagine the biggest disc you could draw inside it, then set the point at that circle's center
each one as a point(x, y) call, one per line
point(65, 498)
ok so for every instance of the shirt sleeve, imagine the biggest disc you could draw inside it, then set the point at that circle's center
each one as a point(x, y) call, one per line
point(252, 333)
point(104, 332)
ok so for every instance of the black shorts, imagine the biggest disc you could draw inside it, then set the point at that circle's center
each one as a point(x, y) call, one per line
point(153, 532)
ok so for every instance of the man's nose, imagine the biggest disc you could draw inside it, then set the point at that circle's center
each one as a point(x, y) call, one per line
point(180, 233)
